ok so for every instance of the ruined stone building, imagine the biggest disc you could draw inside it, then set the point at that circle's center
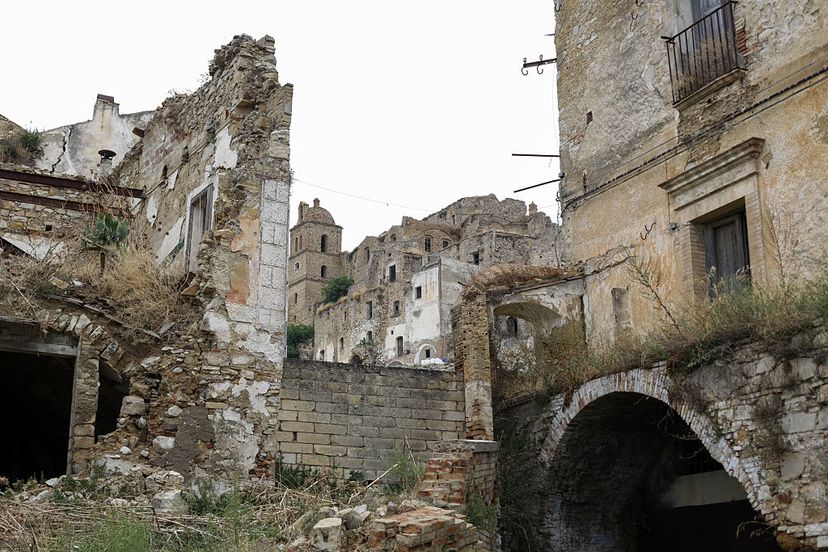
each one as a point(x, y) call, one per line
point(695, 154)
point(407, 279)
point(203, 182)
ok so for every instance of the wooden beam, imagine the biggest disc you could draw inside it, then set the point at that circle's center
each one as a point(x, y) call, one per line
point(38, 348)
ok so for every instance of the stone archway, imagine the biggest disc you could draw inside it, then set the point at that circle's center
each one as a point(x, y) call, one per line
point(632, 470)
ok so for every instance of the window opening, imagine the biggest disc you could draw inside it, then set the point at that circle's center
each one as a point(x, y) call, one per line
point(726, 253)
point(323, 245)
point(400, 346)
point(323, 271)
point(201, 220)
point(370, 310)
point(396, 308)
point(428, 244)
point(418, 292)
point(392, 273)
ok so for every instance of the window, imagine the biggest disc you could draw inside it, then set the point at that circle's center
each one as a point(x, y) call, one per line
point(323, 271)
point(201, 220)
point(369, 337)
point(418, 292)
point(476, 258)
point(296, 267)
point(370, 310)
point(392, 273)
point(295, 298)
point(393, 237)
point(453, 220)
point(322, 354)
point(427, 244)
point(323, 245)
point(726, 252)
point(295, 245)
point(341, 343)
point(512, 326)
point(396, 308)
point(300, 242)
point(427, 352)
point(400, 346)
point(445, 243)
point(345, 315)
point(367, 255)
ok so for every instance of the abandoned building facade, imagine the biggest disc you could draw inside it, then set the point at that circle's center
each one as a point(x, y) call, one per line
point(694, 154)
point(406, 280)
point(203, 182)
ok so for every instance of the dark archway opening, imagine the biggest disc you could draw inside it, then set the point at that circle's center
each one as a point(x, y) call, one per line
point(35, 407)
point(630, 475)
point(112, 389)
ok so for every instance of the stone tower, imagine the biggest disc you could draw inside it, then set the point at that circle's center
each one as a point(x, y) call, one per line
point(315, 248)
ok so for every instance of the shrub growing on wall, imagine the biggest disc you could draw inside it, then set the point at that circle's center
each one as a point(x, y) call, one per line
point(336, 288)
point(297, 334)
point(23, 147)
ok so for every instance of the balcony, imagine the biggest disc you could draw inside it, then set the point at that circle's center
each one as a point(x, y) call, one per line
point(704, 53)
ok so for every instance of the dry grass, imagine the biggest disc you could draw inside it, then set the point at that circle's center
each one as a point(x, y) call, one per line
point(692, 336)
point(131, 288)
point(255, 518)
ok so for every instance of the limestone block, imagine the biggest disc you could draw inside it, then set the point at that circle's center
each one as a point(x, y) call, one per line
point(174, 411)
point(326, 534)
point(792, 466)
point(133, 405)
point(799, 422)
point(170, 502)
point(163, 443)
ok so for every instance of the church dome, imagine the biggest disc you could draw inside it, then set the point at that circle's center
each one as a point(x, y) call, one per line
point(317, 214)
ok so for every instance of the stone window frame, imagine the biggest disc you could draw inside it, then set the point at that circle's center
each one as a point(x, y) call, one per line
point(708, 191)
point(208, 187)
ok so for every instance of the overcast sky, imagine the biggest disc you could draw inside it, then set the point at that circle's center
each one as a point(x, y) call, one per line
point(408, 103)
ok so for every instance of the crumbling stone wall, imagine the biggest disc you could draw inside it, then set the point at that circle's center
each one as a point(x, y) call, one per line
point(203, 393)
point(358, 418)
point(34, 203)
point(469, 234)
point(762, 416)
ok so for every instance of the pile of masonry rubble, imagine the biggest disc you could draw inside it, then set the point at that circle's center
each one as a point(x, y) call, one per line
point(163, 497)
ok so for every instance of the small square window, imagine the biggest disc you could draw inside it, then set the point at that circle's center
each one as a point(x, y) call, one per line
point(476, 258)
point(418, 292)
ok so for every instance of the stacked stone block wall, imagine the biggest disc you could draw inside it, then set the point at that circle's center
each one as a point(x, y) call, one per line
point(360, 418)
point(42, 210)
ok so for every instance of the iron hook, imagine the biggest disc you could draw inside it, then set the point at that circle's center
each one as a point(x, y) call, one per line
point(523, 70)
point(538, 68)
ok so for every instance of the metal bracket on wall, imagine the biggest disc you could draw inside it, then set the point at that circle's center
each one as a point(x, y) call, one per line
point(536, 64)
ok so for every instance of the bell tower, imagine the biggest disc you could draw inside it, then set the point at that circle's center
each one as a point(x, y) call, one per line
point(315, 259)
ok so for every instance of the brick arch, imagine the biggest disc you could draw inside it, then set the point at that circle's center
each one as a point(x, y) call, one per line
point(656, 384)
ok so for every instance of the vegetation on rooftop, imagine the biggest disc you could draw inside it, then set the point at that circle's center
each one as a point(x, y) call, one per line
point(24, 147)
point(336, 289)
point(690, 335)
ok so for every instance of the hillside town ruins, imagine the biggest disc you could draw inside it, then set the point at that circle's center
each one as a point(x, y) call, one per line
point(650, 373)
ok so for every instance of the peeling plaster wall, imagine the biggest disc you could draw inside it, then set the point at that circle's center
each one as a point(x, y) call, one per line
point(73, 149)
point(613, 66)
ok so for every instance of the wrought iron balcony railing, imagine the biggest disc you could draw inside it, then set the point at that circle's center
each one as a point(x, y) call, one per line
point(703, 52)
